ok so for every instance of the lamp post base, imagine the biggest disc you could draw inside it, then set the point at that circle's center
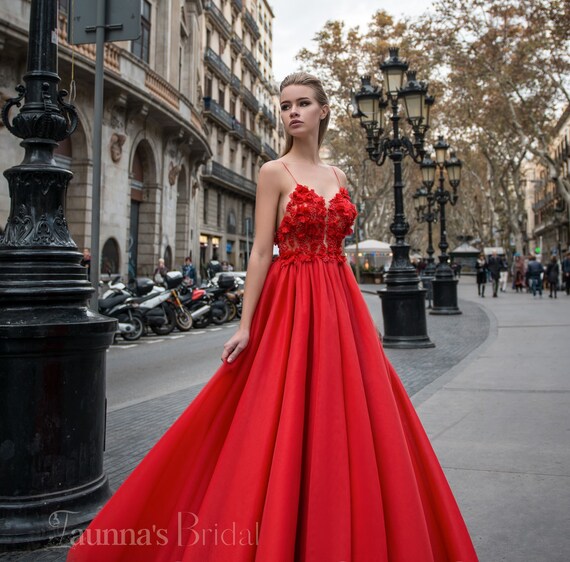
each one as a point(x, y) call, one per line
point(52, 422)
point(445, 297)
point(404, 314)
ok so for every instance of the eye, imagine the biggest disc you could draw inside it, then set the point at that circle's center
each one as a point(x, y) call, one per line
point(285, 107)
point(304, 103)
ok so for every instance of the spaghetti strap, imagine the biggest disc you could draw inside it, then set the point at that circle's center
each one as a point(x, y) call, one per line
point(336, 175)
point(289, 171)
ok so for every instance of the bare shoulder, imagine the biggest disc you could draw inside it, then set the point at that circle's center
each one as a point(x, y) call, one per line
point(341, 176)
point(272, 176)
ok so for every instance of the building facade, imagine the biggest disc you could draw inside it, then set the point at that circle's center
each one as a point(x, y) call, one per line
point(550, 213)
point(178, 166)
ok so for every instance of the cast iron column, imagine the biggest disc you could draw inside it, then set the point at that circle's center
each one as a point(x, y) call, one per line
point(403, 302)
point(52, 348)
point(444, 284)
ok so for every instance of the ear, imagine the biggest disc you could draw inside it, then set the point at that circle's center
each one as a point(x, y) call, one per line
point(325, 109)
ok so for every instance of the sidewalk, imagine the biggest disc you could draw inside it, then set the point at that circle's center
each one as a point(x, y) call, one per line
point(500, 424)
point(494, 396)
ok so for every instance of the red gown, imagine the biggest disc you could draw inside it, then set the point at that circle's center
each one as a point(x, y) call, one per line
point(305, 449)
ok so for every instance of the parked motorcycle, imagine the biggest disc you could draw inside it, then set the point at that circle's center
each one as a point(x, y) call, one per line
point(201, 306)
point(116, 303)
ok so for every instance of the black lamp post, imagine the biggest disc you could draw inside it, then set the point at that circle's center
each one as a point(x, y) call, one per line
point(426, 212)
point(52, 348)
point(444, 283)
point(403, 302)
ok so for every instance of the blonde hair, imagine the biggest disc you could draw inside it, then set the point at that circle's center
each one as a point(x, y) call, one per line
point(306, 79)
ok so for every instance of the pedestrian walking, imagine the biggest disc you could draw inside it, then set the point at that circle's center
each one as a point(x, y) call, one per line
point(552, 274)
point(504, 274)
point(535, 271)
point(494, 265)
point(189, 271)
point(482, 271)
point(518, 274)
point(566, 273)
point(86, 261)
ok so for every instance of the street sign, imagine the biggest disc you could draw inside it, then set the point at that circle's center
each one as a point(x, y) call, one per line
point(122, 20)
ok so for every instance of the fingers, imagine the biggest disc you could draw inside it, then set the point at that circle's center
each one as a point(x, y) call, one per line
point(232, 350)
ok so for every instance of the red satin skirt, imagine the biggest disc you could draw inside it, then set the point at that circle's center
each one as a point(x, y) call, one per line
point(305, 449)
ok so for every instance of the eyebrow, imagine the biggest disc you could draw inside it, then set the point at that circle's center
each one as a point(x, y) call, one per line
point(298, 99)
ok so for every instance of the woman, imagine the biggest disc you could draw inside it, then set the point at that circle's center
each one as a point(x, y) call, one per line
point(518, 274)
point(304, 445)
point(482, 274)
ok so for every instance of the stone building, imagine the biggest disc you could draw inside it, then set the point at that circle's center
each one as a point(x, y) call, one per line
point(179, 161)
point(550, 212)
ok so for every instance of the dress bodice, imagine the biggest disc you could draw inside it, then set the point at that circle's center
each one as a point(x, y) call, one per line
point(312, 229)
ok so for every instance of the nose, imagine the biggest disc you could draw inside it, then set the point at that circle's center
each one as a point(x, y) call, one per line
point(294, 111)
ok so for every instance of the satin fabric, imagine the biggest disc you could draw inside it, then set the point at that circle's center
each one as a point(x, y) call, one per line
point(305, 449)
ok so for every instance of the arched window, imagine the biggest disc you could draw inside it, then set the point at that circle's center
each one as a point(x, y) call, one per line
point(231, 225)
point(110, 257)
point(168, 258)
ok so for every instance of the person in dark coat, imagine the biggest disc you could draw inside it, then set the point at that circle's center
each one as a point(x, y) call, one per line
point(481, 267)
point(566, 272)
point(495, 265)
point(552, 273)
point(534, 272)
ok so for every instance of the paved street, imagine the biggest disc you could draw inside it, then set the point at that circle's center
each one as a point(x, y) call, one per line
point(482, 358)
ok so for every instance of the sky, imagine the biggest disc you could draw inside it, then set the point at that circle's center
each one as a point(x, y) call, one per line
point(297, 21)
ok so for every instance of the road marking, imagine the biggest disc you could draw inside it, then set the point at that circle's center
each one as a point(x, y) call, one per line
point(126, 346)
point(214, 329)
point(177, 337)
point(196, 333)
point(153, 341)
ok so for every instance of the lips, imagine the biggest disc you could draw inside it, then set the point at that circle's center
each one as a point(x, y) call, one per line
point(295, 122)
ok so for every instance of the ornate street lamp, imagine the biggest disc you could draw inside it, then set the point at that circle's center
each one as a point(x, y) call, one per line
point(424, 203)
point(52, 348)
point(444, 283)
point(403, 302)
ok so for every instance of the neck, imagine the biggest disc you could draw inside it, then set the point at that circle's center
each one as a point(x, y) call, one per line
point(305, 149)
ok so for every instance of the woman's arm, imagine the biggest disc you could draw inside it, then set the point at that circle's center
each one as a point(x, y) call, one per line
point(266, 204)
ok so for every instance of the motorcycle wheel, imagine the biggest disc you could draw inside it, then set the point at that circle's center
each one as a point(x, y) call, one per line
point(219, 314)
point(165, 329)
point(232, 310)
point(137, 322)
point(183, 320)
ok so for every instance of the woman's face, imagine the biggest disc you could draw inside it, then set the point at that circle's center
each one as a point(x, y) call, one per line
point(300, 111)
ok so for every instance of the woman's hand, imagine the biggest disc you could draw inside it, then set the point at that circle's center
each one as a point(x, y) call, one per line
point(235, 345)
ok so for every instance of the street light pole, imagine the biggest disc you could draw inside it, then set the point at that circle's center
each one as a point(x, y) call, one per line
point(444, 283)
point(403, 302)
point(52, 348)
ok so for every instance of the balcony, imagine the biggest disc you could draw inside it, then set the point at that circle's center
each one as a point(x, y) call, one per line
point(250, 100)
point(251, 24)
point(253, 141)
point(235, 85)
point(268, 153)
point(250, 61)
point(217, 65)
point(238, 130)
point(269, 115)
point(221, 175)
point(237, 43)
point(238, 5)
point(217, 113)
point(217, 17)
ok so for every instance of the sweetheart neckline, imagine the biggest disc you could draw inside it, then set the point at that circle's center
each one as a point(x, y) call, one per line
point(340, 191)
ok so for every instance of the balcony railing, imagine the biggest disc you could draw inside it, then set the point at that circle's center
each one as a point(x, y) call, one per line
point(269, 152)
point(251, 24)
point(250, 100)
point(253, 141)
point(228, 178)
point(217, 64)
point(250, 61)
point(235, 84)
point(238, 130)
point(217, 16)
point(216, 112)
point(238, 4)
point(269, 115)
point(237, 43)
